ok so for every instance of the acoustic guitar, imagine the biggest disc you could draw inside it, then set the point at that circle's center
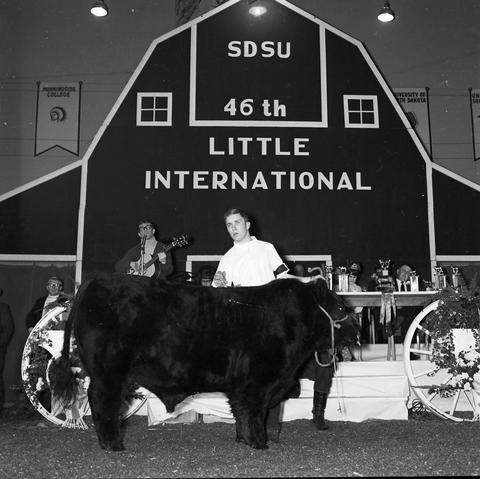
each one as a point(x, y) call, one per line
point(151, 266)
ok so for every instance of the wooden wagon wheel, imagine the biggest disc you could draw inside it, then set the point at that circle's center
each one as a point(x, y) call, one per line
point(44, 344)
point(423, 374)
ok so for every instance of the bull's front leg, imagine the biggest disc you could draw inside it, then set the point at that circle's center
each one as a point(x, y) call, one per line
point(105, 402)
point(250, 423)
point(273, 425)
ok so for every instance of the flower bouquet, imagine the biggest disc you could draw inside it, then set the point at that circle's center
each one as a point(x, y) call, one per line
point(454, 330)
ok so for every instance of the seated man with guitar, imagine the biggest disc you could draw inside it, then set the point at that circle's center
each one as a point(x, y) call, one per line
point(147, 258)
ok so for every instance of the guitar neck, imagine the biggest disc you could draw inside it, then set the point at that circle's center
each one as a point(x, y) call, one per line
point(155, 258)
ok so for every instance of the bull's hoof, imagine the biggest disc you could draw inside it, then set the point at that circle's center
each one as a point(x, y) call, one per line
point(273, 433)
point(113, 446)
point(241, 440)
point(259, 446)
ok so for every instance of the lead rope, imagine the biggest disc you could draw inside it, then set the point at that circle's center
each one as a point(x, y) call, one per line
point(333, 324)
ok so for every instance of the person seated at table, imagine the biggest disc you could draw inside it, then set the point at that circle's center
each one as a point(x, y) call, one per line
point(354, 273)
point(380, 280)
point(402, 278)
point(405, 314)
point(54, 287)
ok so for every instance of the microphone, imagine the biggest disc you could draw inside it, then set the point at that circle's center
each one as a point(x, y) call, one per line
point(142, 241)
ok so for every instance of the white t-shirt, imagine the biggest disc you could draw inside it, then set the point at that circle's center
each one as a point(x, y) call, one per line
point(251, 264)
point(49, 299)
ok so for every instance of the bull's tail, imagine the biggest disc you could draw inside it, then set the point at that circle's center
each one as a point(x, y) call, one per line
point(63, 379)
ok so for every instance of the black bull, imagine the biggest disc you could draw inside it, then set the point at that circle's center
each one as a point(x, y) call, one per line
point(181, 339)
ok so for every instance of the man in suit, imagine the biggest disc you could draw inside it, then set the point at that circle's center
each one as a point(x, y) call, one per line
point(402, 278)
point(54, 287)
point(6, 332)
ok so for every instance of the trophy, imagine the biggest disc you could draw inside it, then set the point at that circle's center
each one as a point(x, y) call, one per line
point(384, 280)
point(329, 276)
point(414, 281)
point(440, 278)
point(428, 285)
point(455, 276)
point(343, 279)
point(384, 266)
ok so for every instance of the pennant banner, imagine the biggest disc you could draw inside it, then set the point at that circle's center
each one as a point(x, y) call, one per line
point(475, 109)
point(414, 102)
point(58, 117)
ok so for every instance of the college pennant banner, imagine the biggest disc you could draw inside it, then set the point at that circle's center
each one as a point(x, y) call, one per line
point(58, 117)
point(414, 102)
point(475, 111)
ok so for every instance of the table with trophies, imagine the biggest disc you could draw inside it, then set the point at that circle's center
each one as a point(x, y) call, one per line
point(444, 383)
point(386, 297)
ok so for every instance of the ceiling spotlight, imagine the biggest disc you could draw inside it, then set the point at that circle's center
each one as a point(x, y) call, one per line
point(256, 10)
point(99, 9)
point(386, 14)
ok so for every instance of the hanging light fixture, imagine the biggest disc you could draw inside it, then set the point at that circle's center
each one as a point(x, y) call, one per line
point(386, 14)
point(99, 9)
point(256, 10)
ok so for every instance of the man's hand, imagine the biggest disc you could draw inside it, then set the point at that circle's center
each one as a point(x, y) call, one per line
point(162, 257)
point(220, 280)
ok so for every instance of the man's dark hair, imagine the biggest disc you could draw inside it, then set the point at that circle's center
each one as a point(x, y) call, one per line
point(236, 211)
point(141, 222)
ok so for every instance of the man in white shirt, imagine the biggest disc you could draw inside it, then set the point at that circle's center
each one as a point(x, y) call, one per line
point(251, 262)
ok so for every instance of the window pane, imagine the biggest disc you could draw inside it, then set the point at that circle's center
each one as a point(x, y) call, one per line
point(161, 102)
point(160, 115)
point(368, 117)
point(354, 105)
point(147, 102)
point(367, 105)
point(147, 115)
point(354, 117)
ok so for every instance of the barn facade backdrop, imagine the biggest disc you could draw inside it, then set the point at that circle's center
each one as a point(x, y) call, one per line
point(282, 115)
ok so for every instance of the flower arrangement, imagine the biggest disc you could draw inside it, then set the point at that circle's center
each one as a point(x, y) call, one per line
point(467, 370)
point(37, 376)
point(458, 308)
point(37, 357)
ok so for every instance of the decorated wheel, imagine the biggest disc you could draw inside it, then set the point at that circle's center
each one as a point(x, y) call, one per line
point(445, 372)
point(44, 344)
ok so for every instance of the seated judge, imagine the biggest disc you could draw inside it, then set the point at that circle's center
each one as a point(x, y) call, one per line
point(402, 278)
point(54, 287)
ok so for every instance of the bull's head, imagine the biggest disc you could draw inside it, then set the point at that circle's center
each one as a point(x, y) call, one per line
point(345, 326)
